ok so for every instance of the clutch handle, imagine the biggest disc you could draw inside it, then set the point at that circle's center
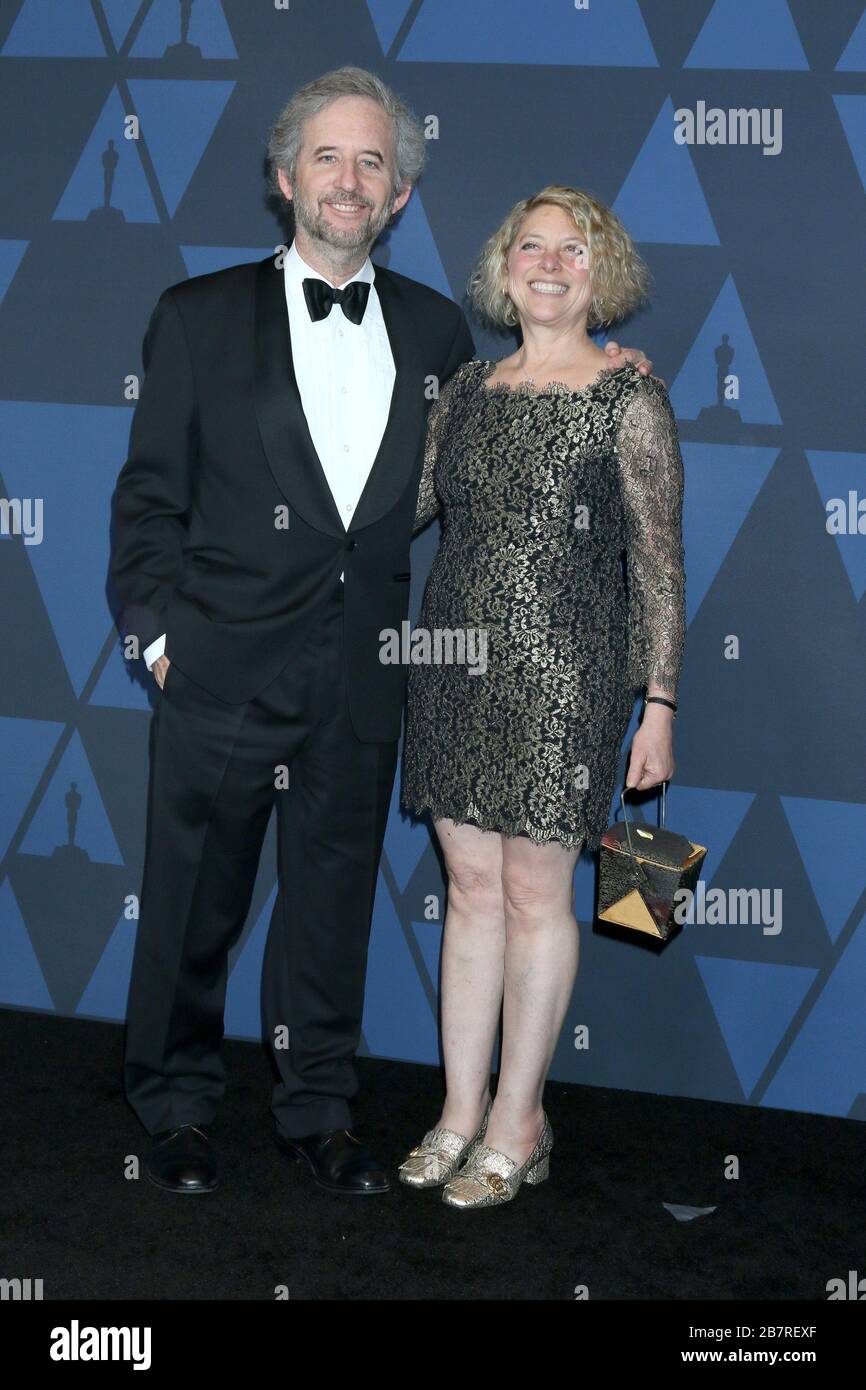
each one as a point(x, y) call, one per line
point(639, 868)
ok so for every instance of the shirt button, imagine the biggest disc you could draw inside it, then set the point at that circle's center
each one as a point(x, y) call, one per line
point(345, 448)
point(344, 389)
point(349, 507)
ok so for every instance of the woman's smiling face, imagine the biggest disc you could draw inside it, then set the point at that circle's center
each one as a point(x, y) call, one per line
point(547, 269)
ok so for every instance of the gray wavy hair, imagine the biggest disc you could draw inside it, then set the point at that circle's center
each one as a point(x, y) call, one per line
point(286, 134)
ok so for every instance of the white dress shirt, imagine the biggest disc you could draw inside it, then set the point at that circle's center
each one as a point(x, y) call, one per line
point(345, 373)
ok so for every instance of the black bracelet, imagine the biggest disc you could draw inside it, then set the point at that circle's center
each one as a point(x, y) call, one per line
point(660, 700)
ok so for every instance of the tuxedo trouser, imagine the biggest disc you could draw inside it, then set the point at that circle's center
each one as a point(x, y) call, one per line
point(217, 770)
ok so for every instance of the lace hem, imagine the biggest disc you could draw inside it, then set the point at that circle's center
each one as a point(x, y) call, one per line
point(588, 839)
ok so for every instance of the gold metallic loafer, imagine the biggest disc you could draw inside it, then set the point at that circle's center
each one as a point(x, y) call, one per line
point(489, 1177)
point(439, 1155)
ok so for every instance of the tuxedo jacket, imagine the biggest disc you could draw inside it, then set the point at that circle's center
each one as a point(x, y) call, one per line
point(225, 534)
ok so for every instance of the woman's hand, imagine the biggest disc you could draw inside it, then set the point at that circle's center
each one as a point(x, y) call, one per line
point(652, 756)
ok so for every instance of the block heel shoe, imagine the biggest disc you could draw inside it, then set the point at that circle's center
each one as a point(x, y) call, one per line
point(490, 1178)
point(439, 1155)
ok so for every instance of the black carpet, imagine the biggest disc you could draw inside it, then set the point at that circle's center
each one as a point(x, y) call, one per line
point(790, 1222)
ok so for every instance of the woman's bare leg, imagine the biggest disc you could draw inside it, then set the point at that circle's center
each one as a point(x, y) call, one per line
point(541, 956)
point(473, 956)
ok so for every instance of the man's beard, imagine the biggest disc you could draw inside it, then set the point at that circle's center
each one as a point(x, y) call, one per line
point(312, 219)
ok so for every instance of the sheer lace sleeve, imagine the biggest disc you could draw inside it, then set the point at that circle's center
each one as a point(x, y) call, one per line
point(437, 417)
point(651, 482)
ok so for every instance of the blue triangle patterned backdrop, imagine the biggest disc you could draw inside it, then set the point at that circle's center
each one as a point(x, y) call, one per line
point(730, 136)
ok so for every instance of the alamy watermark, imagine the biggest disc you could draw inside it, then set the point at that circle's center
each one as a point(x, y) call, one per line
point(439, 646)
point(738, 125)
point(22, 516)
point(718, 907)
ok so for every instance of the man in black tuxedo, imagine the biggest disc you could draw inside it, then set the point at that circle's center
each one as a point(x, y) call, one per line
point(262, 525)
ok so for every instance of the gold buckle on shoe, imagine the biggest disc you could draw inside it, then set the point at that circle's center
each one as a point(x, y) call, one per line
point(497, 1184)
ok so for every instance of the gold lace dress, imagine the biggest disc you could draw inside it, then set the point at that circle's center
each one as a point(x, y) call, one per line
point(562, 543)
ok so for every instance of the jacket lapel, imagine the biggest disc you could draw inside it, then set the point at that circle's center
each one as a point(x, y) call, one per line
point(283, 426)
point(394, 461)
point(285, 434)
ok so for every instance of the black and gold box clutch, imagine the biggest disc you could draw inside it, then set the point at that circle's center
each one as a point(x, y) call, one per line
point(642, 868)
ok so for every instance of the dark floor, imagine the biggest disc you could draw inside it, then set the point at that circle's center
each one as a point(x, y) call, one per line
point(793, 1219)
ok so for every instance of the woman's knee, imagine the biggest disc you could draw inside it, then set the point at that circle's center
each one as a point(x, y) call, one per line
point(473, 863)
point(474, 883)
point(537, 882)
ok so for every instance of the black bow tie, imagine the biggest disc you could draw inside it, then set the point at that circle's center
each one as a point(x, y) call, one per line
point(321, 298)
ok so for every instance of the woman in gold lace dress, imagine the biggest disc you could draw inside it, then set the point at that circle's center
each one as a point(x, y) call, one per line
point(549, 470)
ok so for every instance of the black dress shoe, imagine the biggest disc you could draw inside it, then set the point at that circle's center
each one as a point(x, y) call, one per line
point(338, 1161)
point(182, 1160)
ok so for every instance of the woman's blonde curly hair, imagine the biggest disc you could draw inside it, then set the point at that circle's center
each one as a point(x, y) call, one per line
point(619, 277)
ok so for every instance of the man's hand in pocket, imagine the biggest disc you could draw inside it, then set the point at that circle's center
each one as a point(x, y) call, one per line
point(159, 669)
